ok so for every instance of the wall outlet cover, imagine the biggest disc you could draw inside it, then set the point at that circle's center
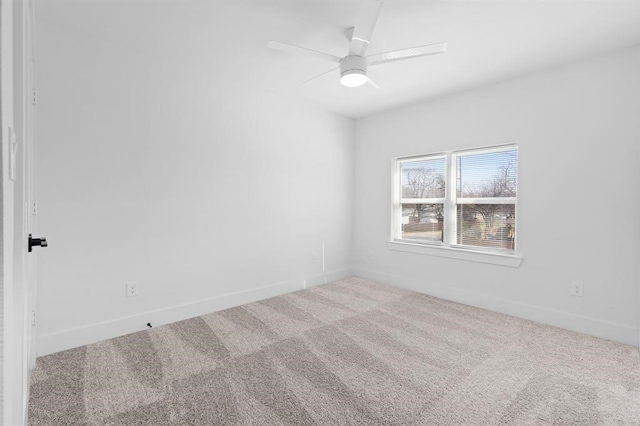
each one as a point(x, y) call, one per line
point(577, 288)
point(133, 288)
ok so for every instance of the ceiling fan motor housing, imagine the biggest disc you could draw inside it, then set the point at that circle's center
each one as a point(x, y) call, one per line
point(353, 65)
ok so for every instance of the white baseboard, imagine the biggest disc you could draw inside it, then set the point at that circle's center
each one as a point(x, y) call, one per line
point(80, 336)
point(327, 277)
point(72, 338)
point(594, 327)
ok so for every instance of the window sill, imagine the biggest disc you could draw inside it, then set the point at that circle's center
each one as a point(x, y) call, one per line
point(500, 259)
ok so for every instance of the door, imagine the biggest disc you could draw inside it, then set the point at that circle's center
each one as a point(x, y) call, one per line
point(15, 180)
point(28, 184)
point(24, 207)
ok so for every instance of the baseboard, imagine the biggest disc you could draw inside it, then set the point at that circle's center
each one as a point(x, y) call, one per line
point(594, 327)
point(73, 338)
point(327, 277)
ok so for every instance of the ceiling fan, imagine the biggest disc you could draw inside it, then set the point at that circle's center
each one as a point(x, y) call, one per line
point(353, 66)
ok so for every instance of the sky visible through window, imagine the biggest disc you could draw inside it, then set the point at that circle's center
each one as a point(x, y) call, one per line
point(487, 174)
point(434, 166)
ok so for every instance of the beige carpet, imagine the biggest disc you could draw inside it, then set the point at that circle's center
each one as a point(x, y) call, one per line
point(349, 352)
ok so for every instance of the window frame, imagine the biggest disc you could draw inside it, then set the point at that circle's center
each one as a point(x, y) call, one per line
point(449, 246)
point(402, 200)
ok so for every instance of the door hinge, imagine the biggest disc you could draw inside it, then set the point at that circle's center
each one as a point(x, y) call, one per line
point(34, 208)
point(34, 96)
point(33, 317)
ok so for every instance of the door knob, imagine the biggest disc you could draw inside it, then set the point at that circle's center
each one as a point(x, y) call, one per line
point(42, 242)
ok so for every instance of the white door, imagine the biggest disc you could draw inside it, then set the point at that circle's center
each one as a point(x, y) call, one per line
point(24, 267)
point(30, 205)
point(16, 188)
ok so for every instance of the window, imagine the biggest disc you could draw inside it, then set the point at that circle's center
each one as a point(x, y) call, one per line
point(458, 199)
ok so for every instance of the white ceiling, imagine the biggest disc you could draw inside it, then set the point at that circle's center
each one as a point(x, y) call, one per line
point(488, 41)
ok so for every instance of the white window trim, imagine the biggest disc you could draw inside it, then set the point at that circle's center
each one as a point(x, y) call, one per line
point(448, 248)
point(459, 253)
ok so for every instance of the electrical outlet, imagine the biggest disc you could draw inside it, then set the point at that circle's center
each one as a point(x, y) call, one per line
point(132, 288)
point(577, 288)
point(370, 255)
point(315, 257)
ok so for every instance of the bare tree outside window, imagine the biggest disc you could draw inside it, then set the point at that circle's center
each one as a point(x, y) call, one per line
point(425, 183)
point(487, 224)
point(502, 184)
point(422, 192)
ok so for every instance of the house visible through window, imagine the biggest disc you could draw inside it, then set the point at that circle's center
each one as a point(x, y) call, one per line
point(458, 199)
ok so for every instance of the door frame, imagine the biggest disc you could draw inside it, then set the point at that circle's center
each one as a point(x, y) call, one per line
point(10, 401)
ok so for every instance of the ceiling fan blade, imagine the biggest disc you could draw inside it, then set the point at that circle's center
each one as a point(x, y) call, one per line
point(320, 75)
point(367, 18)
point(372, 83)
point(297, 49)
point(412, 52)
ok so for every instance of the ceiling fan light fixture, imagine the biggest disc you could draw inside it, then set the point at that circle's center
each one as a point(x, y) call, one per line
point(353, 71)
point(353, 78)
point(353, 67)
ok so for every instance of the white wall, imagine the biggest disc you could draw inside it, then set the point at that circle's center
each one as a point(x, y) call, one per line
point(578, 131)
point(197, 187)
point(200, 188)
